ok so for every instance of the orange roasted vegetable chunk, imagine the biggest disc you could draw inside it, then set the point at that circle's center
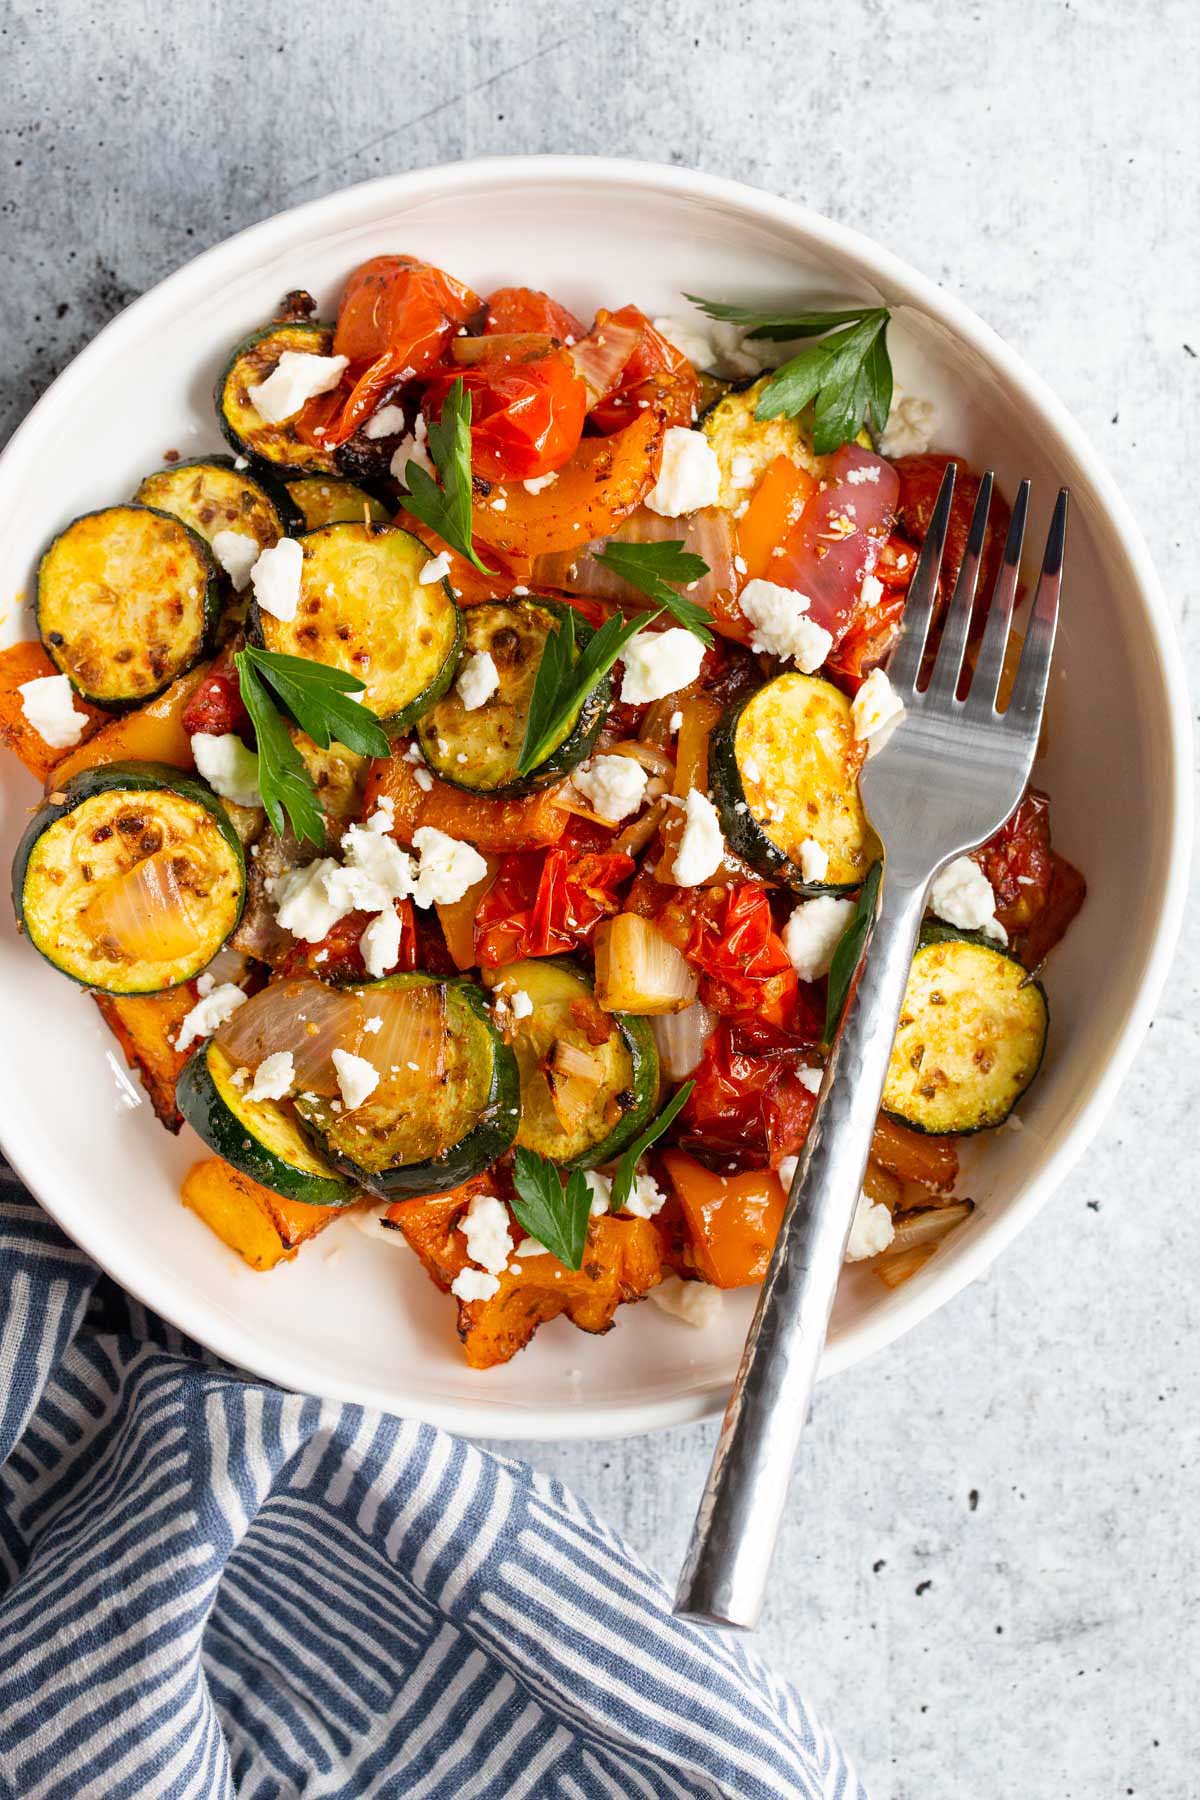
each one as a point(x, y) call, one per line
point(260, 1225)
point(932, 1162)
point(471, 586)
point(154, 733)
point(146, 1027)
point(526, 824)
point(603, 482)
point(733, 1219)
point(775, 505)
point(18, 664)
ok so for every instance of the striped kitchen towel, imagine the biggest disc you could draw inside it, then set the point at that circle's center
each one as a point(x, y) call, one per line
point(209, 1587)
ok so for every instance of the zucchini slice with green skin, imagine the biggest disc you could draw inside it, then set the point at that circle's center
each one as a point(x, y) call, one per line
point(428, 1129)
point(971, 1037)
point(479, 750)
point(259, 1137)
point(127, 599)
point(130, 879)
point(783, 767)
point(745, 447)
point(249, 364)
point(363, 608)
point(325, 500)
point(210, 494)
point(599, 1111)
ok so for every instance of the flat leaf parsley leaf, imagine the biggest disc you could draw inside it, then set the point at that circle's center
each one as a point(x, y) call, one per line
point(849, 951)
point(651, 567)
point(554, 1214)
point(283, 781)
point(563, 682)
point(447, 509)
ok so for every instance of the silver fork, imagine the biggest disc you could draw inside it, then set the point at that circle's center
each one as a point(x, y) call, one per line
point(952, 771)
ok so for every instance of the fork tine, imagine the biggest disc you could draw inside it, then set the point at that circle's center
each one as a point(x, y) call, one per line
point(943, 682)
point(1033, 670)
point(906, 658)
point(986, 678)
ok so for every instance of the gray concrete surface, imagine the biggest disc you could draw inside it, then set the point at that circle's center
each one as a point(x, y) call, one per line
point(989, 1580)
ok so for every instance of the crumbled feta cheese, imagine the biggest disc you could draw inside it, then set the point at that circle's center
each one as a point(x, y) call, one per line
point(436, 569)
point(657, 663)
point(600, 1188)
point(871, 1231)
point(237, 552)
point(374, 1023)
point(357, 1078)
point(702, 846)
point(485, 1227)
point(811, 935)
point(781, 626)
point(447, 867)
point(380, 944)
point(647, 1197)
point(209, 1013)
point(614, 786)
point(276, 578)
point(273, 1078)
point(690, 338)
point(695, 1302)
point(537, 484)
point(787, 1170)
point(814, 861)
point(474, 1284)
point(295, 379)
point(810, 1078)
point(675, 722)
point(689, 475)
point(477, 680)
point(384, 816)
point(205, 984)
point(228, 767)
point(48, 703)
point(909, 427)
point(872, 590)
point(962, 895)
point(413, 448)
point(875, 706)
point(303, 904)
point(520, 1003)
point(380, 858)
point(385, 423)
point(530, 1246)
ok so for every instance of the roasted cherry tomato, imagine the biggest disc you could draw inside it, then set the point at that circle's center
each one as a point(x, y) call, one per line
point(920, 479)
point(528, 309)
point(526, 417)
point(338, 955)
point(1018, 863)
point(216, 706)
point(744, 966)
point(396, 318)
point(547, 903)
point(748, 1106)
point(654, 374)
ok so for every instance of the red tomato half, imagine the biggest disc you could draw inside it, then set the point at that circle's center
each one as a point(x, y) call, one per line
point(920, 479)
point(748, 1105)
point(655, 374)
point(526, 417)
point(528, 309)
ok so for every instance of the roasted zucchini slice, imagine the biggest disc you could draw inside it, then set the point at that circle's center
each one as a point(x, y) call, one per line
point(130, 878)
point(363, 608)
point(262, 1138)
point(126, 601)
point(210, 494)
point(324, 500)
point(589, 1079)
point(783, 767)
point(971, 1037)
point(479, 749)
point(745, 446)
point(249, 365)
point(448, 1100)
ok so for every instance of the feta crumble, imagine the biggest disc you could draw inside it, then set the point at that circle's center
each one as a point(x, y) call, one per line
point(910, 425)
point(810, 1078)
point(811, 935)
point(530, 1246)
point(474, 1284)
point(537, 484)
point(781, 626)
point(871, 1231)
point(962, 895)
point(228, 767)
point(303, 904)
point(209, 1013)
point(614, 786)
point(436, 569)
point(477, 680)
point(357, 1078)
point(702, 846)
point(647, 1198)
point(689, 475)
point(689, 337)
point(447, 867)
point(695, 1302)
point(385, 423)
point(875, 706)
point(295, 379)
point(657, 663)
point(520, 1004)
point(380, 944)
point(273, 1077)
point(48, 703)
point(485, 1227)
point(814, 861)
point(237, 552)
point(600, 1188)
point(276, 579)
point(413, 448)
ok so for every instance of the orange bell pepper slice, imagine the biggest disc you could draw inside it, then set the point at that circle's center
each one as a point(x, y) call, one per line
point(733, 1219)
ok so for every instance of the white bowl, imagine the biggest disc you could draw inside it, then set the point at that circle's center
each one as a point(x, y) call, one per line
point(350, 1318)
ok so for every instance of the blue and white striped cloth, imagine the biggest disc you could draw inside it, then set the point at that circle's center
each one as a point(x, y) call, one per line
point(211, 1588)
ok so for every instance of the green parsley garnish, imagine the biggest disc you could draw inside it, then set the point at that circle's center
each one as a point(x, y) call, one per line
point(649, 568)
point(554, 1214)
point(562, 683)
point(846, 375)
point(849, 951)
point(626, 1173)
point(316, 698)
point(447, 509)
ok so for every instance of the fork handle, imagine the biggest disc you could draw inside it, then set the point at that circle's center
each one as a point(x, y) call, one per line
point(724, 1578)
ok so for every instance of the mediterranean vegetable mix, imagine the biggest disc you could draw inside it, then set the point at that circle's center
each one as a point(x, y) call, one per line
point(451, 794)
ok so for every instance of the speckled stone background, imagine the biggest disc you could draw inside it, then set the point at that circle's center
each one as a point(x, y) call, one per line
point(990, 1578)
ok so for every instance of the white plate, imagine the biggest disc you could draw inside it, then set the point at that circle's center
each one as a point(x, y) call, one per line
point(350, 1318)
